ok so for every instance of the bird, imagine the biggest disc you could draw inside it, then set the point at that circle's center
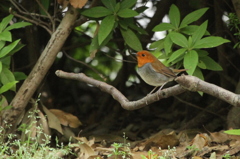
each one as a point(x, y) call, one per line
point(153, 71)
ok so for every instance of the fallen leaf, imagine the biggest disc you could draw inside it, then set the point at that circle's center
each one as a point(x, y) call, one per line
point(44, 125)
point(219, 137)
point(163, 139)
point(53, 120)
point(66, 119)
point(78, 3)
point(85, 147)
point(200, 140)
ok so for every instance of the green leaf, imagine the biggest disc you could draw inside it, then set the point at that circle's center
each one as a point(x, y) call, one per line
point(1, 66)
point(201, 64)
point(179, 39)
point(106, 28)
point(18, 25)
point(110, 4)
point(123, 24)
point(19, 76)
point(190, 61)
point(117, 7)
point(127, 4)
point(157, 44)
point(174, 16)
point(7, 76)
point(193, 16)
point(141, 9)
point(131, 39)
point(202, 53)
point(127, 13)
point(5, 22)
point(97, 12)
point(168, 43)
point(189, 30)
point(6, 50)
point(45, 4)
point(210, 42)
point(2, 43)
point(198, 34)
point(138, 29)
point(163, 27)
point(190, 42)
point(233, 132)
point(6, 61)
point(210, 63)
point(8, 86)
point(107, 39)
point(6, 36)
point(94, 46)
point(198, 73)
point(16, 49)
point(177, 54)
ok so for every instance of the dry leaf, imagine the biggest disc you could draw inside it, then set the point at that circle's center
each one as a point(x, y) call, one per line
point(219, 137)
point(53, 121)
point(78, 3)
point(66, 119)
point(44, 125)
point(85, 147)
point(200, 140)
point(163, 139)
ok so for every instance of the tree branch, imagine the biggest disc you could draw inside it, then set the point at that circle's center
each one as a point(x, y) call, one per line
point(187, 83)
point(195, 84)
point(117, 95)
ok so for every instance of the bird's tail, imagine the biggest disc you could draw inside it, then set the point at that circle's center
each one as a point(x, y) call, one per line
point(176, 71)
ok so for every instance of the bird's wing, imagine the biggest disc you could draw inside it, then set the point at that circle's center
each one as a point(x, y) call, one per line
point(161, 68)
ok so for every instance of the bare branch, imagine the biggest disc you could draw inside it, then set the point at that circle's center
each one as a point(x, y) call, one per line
point(117, 95)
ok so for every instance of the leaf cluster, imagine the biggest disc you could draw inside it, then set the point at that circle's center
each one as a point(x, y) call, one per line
point(8, 47)
point(190, 40)
point(116, 15)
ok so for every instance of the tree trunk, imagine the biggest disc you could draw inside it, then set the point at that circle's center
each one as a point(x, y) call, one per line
point(40, 69)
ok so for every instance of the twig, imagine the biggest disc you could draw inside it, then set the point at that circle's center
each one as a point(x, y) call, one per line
point(83, 63)
point(31, 21)
point(48, 15)
point(198, 107)
point(25, 11)
point(116, 59)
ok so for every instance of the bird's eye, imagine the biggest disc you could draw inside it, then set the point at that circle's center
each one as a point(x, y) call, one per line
point(143, 55)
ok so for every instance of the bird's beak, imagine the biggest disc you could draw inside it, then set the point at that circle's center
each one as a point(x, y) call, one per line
point(134, 54)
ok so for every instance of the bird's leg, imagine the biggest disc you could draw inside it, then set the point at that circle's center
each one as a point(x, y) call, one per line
point(162, 85)
point(161, 88)
point(153, 90)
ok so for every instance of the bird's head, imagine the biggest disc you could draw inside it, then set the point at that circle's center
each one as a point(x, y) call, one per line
point(144, 57)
